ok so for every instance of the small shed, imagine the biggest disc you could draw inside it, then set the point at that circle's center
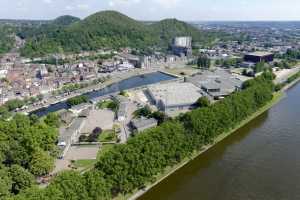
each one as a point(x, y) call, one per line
point(142, 124)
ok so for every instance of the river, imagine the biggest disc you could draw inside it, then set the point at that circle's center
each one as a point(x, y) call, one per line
point(260, 161)
point(130, 83)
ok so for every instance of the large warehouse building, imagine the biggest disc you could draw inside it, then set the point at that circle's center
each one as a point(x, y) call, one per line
point(257, 57)
point(217, 84)
point(173, 97)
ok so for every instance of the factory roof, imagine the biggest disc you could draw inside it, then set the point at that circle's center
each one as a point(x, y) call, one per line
point(259, 53)
point(175, 94)
point(219, 79)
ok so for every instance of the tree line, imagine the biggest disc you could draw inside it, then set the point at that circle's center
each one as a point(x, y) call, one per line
point(132, 166)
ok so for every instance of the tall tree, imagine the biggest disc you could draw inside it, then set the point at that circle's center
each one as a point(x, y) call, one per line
point(21, 178)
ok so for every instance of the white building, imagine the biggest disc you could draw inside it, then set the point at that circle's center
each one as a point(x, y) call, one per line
point(185, 42)
point(172, 97)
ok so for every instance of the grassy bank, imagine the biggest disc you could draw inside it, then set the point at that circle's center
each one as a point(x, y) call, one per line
point(170, 170)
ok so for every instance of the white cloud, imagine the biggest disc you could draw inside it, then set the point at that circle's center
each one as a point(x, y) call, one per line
point(48, 1)
point(167, 3)
point(77, 7)
point(21, 6)
point(113, 3)
point(82, 6)
point(69, 7)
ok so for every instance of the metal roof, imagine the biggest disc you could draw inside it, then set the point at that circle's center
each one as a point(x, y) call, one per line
point(175, 94)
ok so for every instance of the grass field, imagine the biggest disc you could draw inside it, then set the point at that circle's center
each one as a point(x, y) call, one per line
point(107, 136)
point(84, 164)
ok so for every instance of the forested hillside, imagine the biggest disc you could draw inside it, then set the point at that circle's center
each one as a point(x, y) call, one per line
point(131, 166)
point(109, 29)
point(47, 29)
point(169, 28)
point(7, 39)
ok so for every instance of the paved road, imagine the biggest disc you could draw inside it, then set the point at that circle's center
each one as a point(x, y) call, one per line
point(283, 75)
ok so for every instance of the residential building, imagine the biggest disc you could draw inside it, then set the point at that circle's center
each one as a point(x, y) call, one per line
point(70, 135)
point(123, 107)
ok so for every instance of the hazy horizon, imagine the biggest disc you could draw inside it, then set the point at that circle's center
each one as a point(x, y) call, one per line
point(153, 10)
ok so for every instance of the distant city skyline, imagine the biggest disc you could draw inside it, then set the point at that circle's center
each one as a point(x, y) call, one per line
point(188, 10)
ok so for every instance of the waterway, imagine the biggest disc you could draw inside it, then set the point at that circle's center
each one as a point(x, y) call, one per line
point(130, 83)
point(260, 161)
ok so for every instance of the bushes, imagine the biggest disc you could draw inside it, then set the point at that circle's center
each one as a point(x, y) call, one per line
point(109, 104)
point(203, 102)
point(293, 78)
point(77, 100)
point(93, 137)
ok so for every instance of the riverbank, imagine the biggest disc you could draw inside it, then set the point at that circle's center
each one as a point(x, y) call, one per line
point(109, 89)
point(170, 170)
point(288, 86)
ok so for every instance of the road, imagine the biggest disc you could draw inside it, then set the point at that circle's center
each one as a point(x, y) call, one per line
point(284, 74)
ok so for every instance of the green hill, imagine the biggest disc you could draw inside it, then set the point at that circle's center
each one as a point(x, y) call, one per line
point(105, 29)
point(6, 38)
point(47, 29)
point(108, 29)
point(65, 20)
point(169, 28)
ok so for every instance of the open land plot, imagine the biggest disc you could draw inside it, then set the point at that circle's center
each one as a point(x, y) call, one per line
point(99, 118)
point(76, 153)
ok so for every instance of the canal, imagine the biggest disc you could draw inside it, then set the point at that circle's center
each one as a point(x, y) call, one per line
point(260, 161)
point(130, 83)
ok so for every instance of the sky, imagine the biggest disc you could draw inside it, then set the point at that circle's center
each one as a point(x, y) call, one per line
point(188, 10)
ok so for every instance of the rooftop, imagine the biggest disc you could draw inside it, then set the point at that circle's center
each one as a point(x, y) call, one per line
point(173, 94)
point(143, 122)
point(260, 53)
point(218, 79)
point(69, 132)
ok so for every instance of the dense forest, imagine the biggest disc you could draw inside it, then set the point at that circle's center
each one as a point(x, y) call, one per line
point(27, 150)
point(46, 29)
point(106, 29)
point(7, 39)
point(131, 166)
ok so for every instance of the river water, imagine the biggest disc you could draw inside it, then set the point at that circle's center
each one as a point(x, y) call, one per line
point(260, 161)
point(130, 83)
